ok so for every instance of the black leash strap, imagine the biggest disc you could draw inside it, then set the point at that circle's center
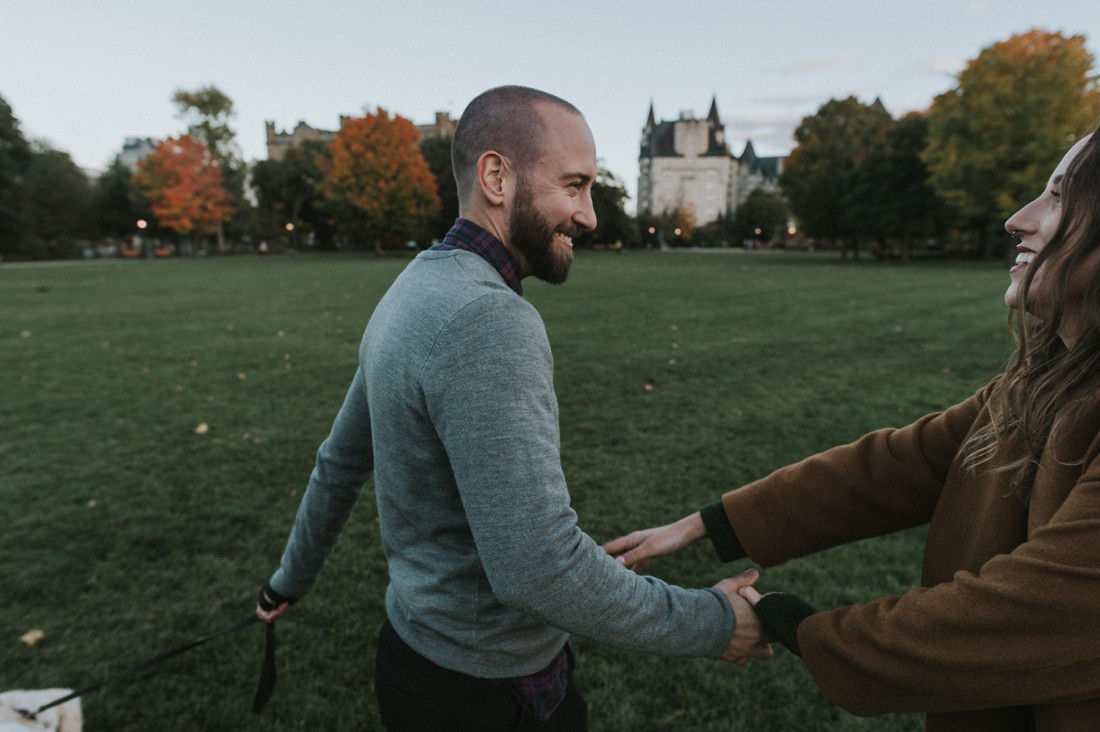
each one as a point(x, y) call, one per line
point(263, 691)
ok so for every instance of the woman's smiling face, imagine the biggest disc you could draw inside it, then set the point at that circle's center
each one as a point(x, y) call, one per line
point(1033, 225)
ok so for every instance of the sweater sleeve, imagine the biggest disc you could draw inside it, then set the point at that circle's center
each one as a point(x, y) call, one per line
point(344, 463)
point(489, 390)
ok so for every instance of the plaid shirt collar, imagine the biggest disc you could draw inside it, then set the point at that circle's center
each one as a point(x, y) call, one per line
point(469, 236)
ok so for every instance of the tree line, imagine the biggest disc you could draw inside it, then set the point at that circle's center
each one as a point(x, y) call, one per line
point(857, 177)
point(983, 149)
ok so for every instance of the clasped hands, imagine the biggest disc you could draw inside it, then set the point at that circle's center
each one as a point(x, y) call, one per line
point(635, 551)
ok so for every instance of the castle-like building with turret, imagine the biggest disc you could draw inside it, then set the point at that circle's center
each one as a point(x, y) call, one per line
point(687, 164)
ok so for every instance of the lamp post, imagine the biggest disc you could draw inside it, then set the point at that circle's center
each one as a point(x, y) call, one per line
point(141, 224)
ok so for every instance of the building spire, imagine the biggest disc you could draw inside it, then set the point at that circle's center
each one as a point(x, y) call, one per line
point(712, 116)
point(651, 121)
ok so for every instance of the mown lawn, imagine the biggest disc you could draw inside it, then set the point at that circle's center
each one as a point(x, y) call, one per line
point(159, 420)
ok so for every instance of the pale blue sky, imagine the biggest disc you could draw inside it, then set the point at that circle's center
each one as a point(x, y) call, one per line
point(86, 75)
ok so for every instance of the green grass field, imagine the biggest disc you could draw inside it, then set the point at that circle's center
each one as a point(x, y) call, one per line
point(127, 529)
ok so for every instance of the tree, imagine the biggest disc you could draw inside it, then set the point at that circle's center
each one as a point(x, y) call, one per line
point(288, 191)
point(183, 183)
point(761, 216)
point(57, 198)
point(376, 180)
point(818, 176)
point(436, 150)
point(891, 192)
point(994, 138)
point(613, 224)
point(116, 206)
point(207, 111)
point(15, 157)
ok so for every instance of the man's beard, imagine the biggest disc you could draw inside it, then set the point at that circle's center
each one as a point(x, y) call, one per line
point(533, 239)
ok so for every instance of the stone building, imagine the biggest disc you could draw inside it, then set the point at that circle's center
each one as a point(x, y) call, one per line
point(136, 149)
point(687, 164)
point(278, 142)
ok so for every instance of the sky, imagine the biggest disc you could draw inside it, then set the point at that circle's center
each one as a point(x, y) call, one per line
point(85, 76)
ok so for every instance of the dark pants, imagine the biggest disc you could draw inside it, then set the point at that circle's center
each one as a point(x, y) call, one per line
point(416, 695)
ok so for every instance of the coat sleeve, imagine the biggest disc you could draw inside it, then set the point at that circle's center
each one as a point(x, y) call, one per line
point(887, 481)
point(1025, 629)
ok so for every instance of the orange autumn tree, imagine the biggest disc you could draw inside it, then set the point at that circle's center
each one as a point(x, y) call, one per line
point(185, 188)
point(376, 181)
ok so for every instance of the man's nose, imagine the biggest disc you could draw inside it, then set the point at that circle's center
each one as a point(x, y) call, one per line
point(586, 215)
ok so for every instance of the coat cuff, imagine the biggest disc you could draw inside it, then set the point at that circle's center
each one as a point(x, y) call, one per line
point(726, 544)
point(781, 615)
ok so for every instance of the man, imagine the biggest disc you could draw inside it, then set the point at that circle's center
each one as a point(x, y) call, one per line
point(453, 411)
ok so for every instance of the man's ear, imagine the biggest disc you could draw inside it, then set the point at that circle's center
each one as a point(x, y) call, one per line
point(493, 176)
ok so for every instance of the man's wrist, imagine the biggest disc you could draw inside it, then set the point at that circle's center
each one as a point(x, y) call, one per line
point(269, 599)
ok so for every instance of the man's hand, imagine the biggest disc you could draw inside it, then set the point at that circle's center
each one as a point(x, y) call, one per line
point(750, 640)
point(637, 549)
point(271, 604)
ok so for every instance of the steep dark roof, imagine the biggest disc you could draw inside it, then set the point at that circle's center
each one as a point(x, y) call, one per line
point(660, 143)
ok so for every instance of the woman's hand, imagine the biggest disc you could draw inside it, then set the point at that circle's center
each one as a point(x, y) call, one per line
point(635, 550)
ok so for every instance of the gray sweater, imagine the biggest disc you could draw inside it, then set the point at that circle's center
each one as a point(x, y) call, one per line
point(453, 408)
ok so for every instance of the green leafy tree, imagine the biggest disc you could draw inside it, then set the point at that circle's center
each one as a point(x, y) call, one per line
point(613, 224)
point(376, 181)
point(761, 216)
point(207, 112)
point(891, 192)
point(57, 198)
point(288, 191)
point(820, 171)
point(116, 206)
point(15, 157)
point(995, 136)
point(436, 150)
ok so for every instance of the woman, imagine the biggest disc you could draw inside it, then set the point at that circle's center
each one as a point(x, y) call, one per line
point(1004, 631)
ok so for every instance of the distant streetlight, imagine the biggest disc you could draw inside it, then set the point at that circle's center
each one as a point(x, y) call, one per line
point(142, 224)
point(652, 230)
point(757, 230)
point(791, 230)
point(290, 227)
point(676, 231)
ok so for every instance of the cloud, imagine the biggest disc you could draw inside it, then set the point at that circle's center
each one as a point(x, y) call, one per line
point(823, 62)
point(771, 134)
point(943, 65)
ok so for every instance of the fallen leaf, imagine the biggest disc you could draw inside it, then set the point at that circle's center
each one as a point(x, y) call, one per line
point(91, 503)
point(202, 429)
point(24, 334)
point(648, 387)
point(32, 637)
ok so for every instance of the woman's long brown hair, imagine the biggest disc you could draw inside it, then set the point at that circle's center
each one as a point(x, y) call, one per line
point(1047, 380)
